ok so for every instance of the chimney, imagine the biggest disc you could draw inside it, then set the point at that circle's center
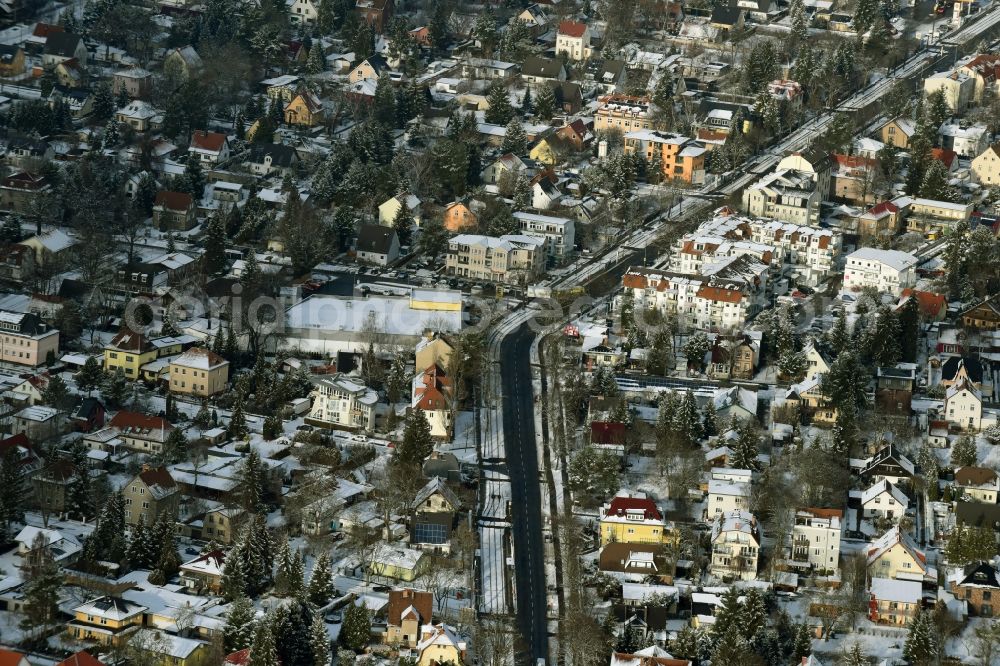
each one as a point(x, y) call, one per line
point(146, 467)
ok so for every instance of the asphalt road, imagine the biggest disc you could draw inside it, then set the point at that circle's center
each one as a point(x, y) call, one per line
point(525, 497)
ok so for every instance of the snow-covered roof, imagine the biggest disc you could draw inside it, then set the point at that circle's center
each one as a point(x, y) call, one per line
point(891, 589)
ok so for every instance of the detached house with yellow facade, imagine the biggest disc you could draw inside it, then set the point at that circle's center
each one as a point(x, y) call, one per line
point(305, 109)
point(199, 372)
point(107, 621)
point(631, 518)
point(895, 555)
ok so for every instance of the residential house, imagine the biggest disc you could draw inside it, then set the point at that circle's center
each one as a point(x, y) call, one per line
point(785, 194)
point(27, 340)
point(174, 211)
point(966, 139)
point(894, 389)
point(852, 179)
point(535, 19)
point(537, 70)
point(573, 40)
point(211, 148)
point(977, 484)
point(884, 501)
point(107, 621)
point(963, 406)
point(204, 573)
point(624, 113)
point(81, 658)
point(898, 132)
point(433, 516)
point(458, 217)
point(370, 69)
point(184, 62)
point(128, 351)
point(11, 61)
point(887, 463)
point(389, 209)
point(62, 46)
point(956, 369)
point(50, 486)
point(505, 164)
point(895, 555)
point(978, 586)
point(12, 658)
point(726, 495)
point(265, 159)
point(680, 158)
point(375, 13)
point(559, 232)
point(432, 394)
point(27, 153)
point(893, 601)
point(164, 648)
point(141, 433)
point(151, 495)
point(487, 69)
point(727, 18)
point(635, 559)
point(220, 525)
point(932, 306)
point(39, 423)
point(958, 88)
point(377, 244)
point(138, 115)
point(394, 563)
point(509, 259)
point(70, 73)
point(137, 83)
point(341, 402)
point(736, 542)
point(407, 612)
point(304, 12)
point(198, 372)
point(815, 541)
point(631, 517)
point(886, 270)
point(983, 69)
point(432, 351)
point(305, 109)
point(984, 316)
point(986, 166)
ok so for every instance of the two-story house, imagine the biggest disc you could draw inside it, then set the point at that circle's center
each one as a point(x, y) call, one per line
point(150, 495)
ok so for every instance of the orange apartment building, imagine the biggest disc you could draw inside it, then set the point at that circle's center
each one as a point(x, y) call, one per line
point(681, 157)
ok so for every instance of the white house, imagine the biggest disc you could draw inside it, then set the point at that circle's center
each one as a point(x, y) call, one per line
point(340, 400)
point(979, 484)
point(816, 538)
point(884, 500)
point(735, 546)
point(303, 11)
point(968, 140)
point(209, 147)
point(963, 405)
point(560, 231)
point(726, 496)
point(886, 270)
point(573, 40)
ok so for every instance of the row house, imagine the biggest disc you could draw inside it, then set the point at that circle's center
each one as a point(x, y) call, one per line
point(712, 302)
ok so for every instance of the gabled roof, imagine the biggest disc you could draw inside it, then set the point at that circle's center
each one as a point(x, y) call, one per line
point(159, 482)
point(975, 476)
point(951, 367)
point(607, 432)
point(892, 538)
point(929, 303)
point(81, 658)
point(208, 141)
point(884, 486)
point(135, 422)
point(623, 504)
point(405, 602)
point(174, 200)
point(572, 28)
point(435, 485)
point(375, 238)
point(11, 658)
point(129, 340)
point(63, 44)
point(548, 68)
point(980, 574)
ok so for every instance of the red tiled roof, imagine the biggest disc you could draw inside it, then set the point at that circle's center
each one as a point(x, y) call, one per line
point(81, 658)
point(620, 505)
point(10, 658)
point(607, 432)
point(651, 661)
point(882, 208)
point(930, 304)
point(240, 658)
point(135, 420)
point(129, 340)
point(572, 28)
point(720, 294)
point(944, 155)
point(174, 200)
point(212, 141)
point(400, 600)
point(158, 476)
point(46, 29)
point(634, 281)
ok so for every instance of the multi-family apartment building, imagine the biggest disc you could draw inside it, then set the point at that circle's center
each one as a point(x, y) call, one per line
point(631, 517)
point(816, 538)
point(886, 270)
point(735, 546)
point(812, 250)
point(150, 495)
point(625, 113)
point(573, 40)
point(722, 298)
point(141, 432)
point(787, 194)
point(342, 402)
point(680, 157)
point(25, 339)
point(560, 232)
point(512, 258)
